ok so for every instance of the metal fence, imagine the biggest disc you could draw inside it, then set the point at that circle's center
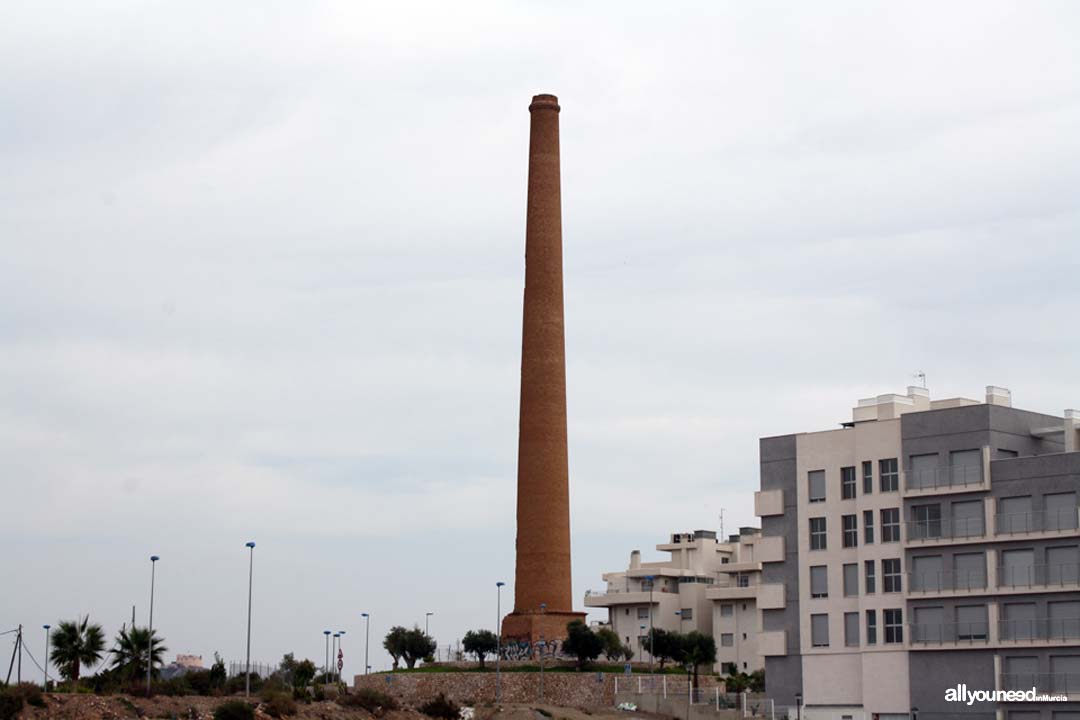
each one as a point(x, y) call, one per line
point(263, 670)
point(749, 705)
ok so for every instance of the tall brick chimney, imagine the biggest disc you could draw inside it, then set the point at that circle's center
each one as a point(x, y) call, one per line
point(543, 601)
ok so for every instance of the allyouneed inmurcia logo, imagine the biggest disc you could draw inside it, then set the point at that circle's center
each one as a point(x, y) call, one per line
point(963, 694)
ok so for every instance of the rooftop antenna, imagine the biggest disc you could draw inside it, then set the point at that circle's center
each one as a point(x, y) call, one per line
point(721, 524)
point(921, 377)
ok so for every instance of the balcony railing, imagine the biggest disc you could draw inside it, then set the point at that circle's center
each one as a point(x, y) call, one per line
point(1042, 682)
point(625, 590)
point(946, 476)
point(1058, 575)
point(1050, 519)
point(1040, 629)
point(949, 528)
point(940, 580)
point(972, 633)
point(727, 581)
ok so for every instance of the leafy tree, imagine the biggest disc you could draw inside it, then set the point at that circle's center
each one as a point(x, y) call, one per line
point(130, 654)
point(613, 647)
point(582, 642)
point(697, 649)
point(287, 668)
point(417, 645)
point(303, 673)
point(218, 676)
point(480, 643)
point(627, 653)
point(757, 681)
point(75, 644)
point(667, 644)
point(395, 643)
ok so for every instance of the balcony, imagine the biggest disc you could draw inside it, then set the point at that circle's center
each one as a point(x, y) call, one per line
point(948, 478)
point(1040, 629)
point(969, 633)
point(772, 643)
point(945, 529)
point(1050, 520)
point(768, 502)
point(770, 549)
point(1057, 683)
point(625, 596)
point(947, 581)
point(1039, 576)
point(771, 597)
point(740, 587)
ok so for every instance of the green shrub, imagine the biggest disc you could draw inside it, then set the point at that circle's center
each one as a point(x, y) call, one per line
point(301, 694)
point(235, 684)
point(279, 704)
point(441, 707)
point(10, 705)
point(234, 710)
point(27, 692)
point(369, 699)
point(174, 687)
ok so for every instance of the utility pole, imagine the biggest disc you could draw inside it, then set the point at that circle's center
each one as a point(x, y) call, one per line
point(16, 652)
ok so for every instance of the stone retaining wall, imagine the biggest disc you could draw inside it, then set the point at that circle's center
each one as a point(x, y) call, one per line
point(569, 689)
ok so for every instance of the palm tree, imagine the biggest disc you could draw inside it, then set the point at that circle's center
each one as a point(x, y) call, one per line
point(75, 644)
point(129, 655)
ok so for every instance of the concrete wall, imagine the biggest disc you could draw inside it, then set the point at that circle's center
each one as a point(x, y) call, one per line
point(783, 673)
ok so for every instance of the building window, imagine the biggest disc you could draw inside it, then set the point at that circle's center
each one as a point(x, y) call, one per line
point(743, 580)
point(889, 471)
point(871, 627)
point(925, 521)
point(726, 640)
point(819, 630)
point(817, 485)
point(868, 526)
point(867, 477)
point(688, 613)
point(726, 610)
point(890, 573)
point(850, 525)
point(817, 533)
point(819, 581)
point(894, 625)
point(641, 613)
point(871, 578)
point(890, 525)
point(847, 483)
point(851, 629)
point(851, 579)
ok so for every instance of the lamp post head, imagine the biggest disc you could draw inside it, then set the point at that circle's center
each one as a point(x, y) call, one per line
point(46, 627)
point(364, 615)
point(154, 558)
point(250, 544)
point(543, 607)
point(325, 632)
point(337, 635)
point(340, 632)
point(499, 584)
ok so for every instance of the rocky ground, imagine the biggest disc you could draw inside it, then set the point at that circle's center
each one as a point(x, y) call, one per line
point(117, 707)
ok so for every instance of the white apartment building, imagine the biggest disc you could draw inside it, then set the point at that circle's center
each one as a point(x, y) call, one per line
point(706, 585)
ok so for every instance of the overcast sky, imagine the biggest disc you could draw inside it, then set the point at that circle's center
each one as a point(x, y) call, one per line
point(262, 270)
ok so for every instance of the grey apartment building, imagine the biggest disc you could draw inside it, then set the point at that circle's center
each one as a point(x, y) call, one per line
point(923, 545)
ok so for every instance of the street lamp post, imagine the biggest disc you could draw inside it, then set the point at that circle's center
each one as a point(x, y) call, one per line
point(641, 649)
point(498, 640)
point(542, 645)
point(326, 664)
point(333, 654)
point(367, 636)
point(427, 616)
point(247, 665)
point(150, 628)
point(798, 706)
point(46, 628)
point(652, 583)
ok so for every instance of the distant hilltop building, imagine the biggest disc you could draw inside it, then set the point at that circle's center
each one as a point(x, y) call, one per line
point(193, 662)
point(922, 545)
